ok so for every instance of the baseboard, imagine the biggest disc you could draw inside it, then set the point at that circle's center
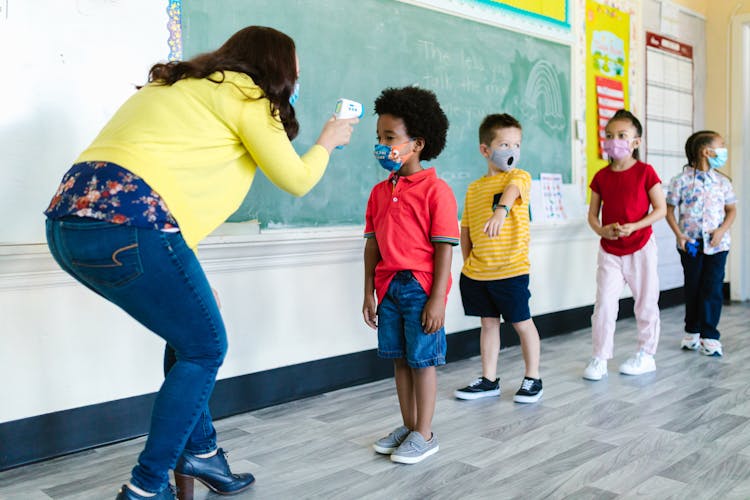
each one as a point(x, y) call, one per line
point(47, 436)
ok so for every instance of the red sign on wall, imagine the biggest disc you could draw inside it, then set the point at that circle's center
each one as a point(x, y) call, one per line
point(609, 98)
point(668, 45)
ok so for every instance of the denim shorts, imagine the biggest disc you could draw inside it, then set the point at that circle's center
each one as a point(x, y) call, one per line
point(507, 297)
point(400, 332)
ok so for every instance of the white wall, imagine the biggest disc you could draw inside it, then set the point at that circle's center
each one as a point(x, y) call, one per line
point(739, 142)
point(67, 66)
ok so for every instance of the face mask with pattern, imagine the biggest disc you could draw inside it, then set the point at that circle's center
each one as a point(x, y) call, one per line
point(390, 157)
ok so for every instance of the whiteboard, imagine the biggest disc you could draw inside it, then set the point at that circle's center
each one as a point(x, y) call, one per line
point(67, 66)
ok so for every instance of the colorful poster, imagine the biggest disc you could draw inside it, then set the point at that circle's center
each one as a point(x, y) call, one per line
point(549, 10)
point(607, 70)
point(552, 197)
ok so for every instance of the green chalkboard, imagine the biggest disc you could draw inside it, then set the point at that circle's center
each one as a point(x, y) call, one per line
point(356, 48)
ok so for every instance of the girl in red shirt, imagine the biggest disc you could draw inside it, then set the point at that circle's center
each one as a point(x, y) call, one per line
point(624, 192)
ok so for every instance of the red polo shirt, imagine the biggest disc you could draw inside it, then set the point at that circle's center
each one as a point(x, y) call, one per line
point(406, 215)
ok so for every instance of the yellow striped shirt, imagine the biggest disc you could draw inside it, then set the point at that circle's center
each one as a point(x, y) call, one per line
point(506, 255)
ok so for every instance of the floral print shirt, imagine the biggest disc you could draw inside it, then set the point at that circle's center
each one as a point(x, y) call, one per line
point(108, 192)
point(700, 198)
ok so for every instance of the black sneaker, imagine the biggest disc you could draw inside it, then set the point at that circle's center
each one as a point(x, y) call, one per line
point(480, 388)
point(530, 391)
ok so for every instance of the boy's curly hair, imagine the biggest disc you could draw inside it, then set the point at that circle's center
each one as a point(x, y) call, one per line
point(422, 115)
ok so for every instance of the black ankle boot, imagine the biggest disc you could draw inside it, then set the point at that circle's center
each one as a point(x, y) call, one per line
point(126, 493)
point(213, 472)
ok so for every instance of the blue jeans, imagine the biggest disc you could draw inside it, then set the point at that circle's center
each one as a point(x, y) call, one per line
point(155, 278)
point(400, 332)
point(704, 282)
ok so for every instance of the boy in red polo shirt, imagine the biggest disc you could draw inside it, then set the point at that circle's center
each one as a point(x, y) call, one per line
point(411, 227)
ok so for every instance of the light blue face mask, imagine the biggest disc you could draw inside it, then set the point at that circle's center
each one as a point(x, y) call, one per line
point(295, 94)
point(720, 159)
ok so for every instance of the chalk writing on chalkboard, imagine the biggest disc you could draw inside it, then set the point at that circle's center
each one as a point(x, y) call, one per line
point(356, 49)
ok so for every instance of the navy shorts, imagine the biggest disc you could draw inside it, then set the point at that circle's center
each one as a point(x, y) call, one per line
point(507, 297)
point(400, 332)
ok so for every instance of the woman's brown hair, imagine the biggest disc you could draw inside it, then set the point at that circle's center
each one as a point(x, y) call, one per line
point(264, 54)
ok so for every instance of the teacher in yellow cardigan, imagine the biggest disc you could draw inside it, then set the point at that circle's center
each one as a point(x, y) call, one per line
point(171, 165)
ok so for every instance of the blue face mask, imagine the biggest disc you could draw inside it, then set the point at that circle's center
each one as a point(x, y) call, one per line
point(391, 158)
point(295, 94)
point(720, 159)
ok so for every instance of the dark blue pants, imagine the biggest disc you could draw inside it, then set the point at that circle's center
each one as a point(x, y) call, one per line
point(155, 278)
point(704, 282)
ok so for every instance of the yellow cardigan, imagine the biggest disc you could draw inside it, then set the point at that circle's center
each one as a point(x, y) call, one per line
point(198, 143)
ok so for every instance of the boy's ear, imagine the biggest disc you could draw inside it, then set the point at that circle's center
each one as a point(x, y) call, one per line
point(418, 144)
point(484, 150)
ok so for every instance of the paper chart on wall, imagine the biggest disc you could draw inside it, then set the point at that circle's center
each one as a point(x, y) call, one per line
point(552, 197)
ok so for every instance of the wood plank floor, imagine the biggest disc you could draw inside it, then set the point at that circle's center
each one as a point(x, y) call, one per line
point(682, 432)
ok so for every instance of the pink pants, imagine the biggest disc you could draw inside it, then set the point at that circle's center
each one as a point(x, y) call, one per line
point(638, 270)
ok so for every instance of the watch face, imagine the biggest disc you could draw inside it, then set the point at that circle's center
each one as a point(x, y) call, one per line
point(496, 200)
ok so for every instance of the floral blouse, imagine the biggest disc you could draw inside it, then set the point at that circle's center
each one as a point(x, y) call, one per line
point(108, 192)
point(700, 198)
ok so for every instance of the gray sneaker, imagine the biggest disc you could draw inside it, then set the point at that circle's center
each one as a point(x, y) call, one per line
point(415, 449)
point(388, 444)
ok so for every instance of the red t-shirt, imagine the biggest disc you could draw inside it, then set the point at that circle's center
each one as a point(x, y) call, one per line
point(407, 215)
point(625, 199)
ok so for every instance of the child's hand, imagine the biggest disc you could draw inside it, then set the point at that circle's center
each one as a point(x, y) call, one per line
point(610, 231)
point(433, 314)
point(216, 297)
point(625, 229)
point(717, 236)
point(682, 240)
point(370, 312)
point(495, 223)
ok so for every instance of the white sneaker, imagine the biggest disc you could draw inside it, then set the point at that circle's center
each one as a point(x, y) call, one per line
point(596, 369)
point(711, 347)
point(691, 341)
point(639, 364)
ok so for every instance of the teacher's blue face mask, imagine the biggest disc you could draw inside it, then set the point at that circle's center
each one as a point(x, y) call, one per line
point(390, 157)
point(295, 94)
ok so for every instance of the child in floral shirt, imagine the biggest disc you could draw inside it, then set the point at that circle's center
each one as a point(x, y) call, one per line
point(707, 208)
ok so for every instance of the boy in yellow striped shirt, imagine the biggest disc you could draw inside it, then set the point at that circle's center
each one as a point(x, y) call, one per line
point(495, 247)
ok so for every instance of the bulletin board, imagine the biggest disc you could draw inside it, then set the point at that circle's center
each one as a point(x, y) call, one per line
point(607, 72)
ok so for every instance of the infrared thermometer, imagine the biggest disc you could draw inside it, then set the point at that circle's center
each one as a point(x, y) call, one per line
point(346, 108)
